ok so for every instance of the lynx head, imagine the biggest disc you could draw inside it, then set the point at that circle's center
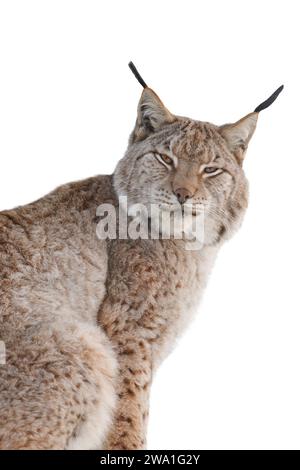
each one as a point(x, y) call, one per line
point(178, 163)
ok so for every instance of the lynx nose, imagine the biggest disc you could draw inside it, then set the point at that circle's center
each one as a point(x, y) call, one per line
point(182, 194)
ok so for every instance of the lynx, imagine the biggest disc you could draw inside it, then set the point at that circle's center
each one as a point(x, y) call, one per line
point(86, 321)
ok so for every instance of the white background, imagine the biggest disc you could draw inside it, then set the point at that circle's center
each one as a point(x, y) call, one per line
point(67, 105)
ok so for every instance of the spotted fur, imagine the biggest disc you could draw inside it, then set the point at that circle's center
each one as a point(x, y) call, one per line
point(87, 322)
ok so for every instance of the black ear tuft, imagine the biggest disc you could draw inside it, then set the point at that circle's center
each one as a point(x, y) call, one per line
point(269, 101)
point(136, 74)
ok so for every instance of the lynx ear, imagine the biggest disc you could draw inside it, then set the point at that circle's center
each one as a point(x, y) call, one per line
point(151, 115)
point(238, 135)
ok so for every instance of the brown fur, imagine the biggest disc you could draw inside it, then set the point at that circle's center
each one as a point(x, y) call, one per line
point(87, 322)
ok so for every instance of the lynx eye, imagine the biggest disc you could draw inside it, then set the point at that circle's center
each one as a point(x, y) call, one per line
point(210, 169)
point(166, 159)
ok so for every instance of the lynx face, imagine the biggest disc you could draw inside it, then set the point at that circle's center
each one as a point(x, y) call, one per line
point(186, 166)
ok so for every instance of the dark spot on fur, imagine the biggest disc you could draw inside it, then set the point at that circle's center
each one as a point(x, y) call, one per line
point(232, 212)
point(127, 352)
point(222, 231)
